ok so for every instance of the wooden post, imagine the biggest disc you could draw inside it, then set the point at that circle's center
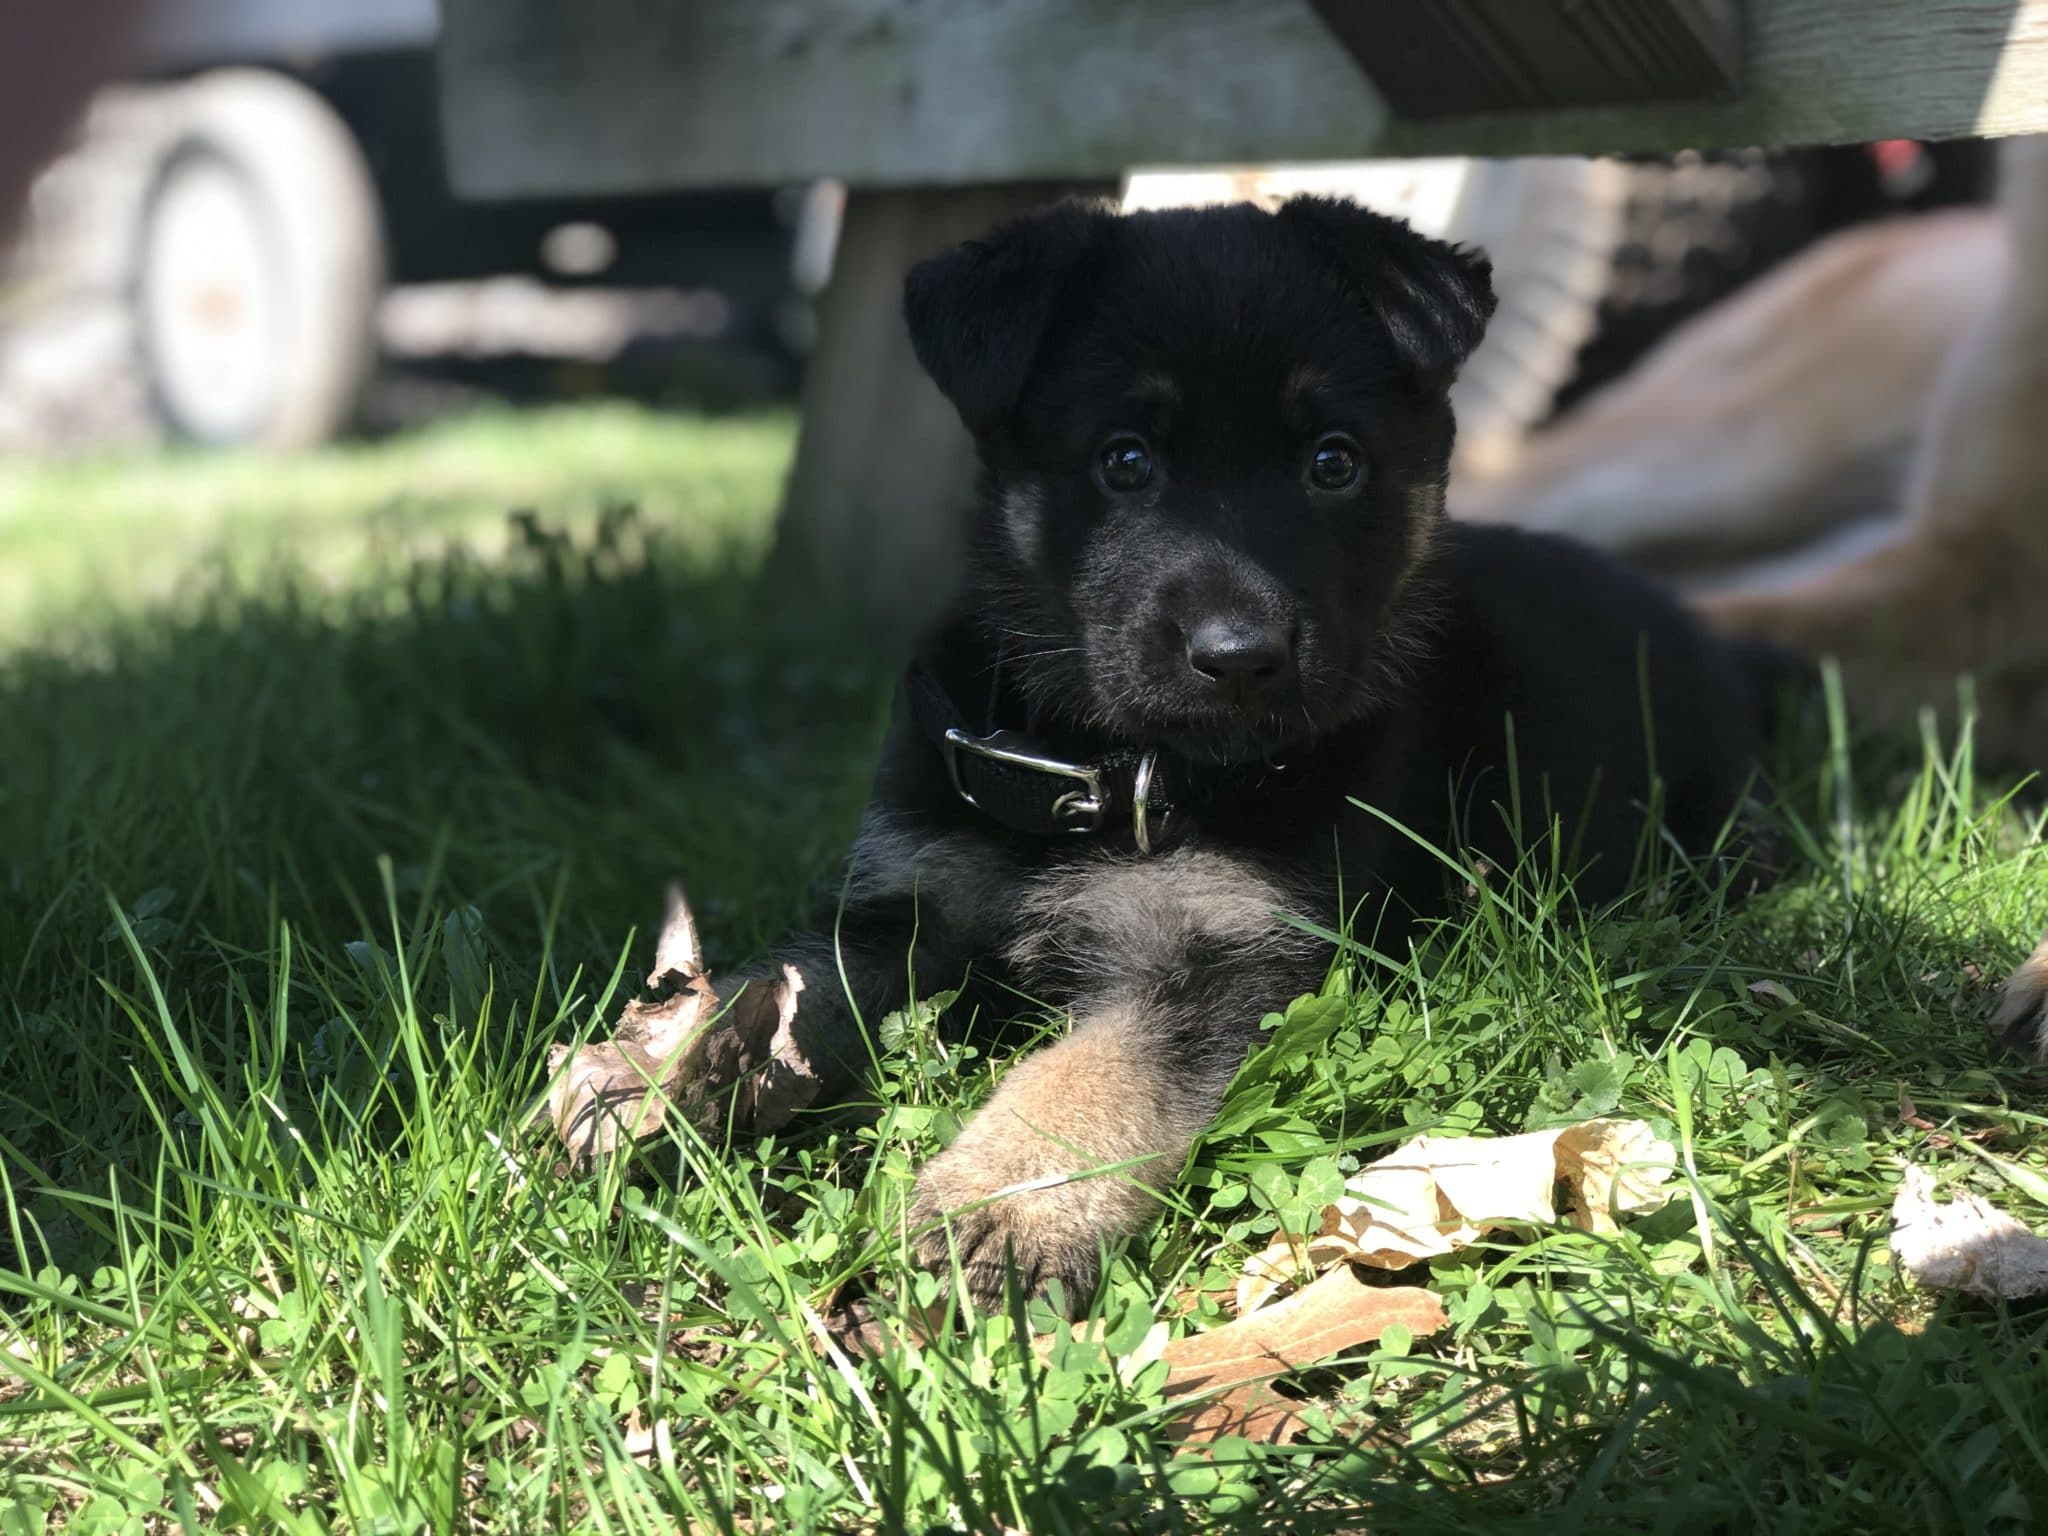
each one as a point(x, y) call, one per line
point(876, 512)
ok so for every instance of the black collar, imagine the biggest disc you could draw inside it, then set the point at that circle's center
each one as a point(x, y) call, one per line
point(1021, 782)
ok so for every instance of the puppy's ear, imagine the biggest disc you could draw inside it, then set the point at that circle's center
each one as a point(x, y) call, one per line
point(977, 312)
point(1434, 299)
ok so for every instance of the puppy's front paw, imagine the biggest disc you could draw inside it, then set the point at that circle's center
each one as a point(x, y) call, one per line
point(1001, 1210)
point(2021, 1018)
point(1067, 1155)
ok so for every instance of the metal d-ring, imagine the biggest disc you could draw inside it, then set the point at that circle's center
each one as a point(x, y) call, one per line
point(1141, 791)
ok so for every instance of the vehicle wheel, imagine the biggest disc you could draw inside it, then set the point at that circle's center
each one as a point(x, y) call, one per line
point(258, 263)
point(1696, 227)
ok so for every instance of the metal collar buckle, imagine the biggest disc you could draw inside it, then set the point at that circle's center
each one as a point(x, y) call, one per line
point(1141, 794)
point(1078, 810)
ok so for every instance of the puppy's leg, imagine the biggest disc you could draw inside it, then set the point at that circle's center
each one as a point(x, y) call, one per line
point(2021, 1019)
point(918, 906)
point(1068, 1154)
point(1175, 959)
point(853, 977)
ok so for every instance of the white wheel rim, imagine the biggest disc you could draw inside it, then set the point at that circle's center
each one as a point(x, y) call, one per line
point(210, 300)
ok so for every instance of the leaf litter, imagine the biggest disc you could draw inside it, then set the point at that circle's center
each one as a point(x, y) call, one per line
point(1434, 1195)
point(679, 1051)
point(1965, 1245)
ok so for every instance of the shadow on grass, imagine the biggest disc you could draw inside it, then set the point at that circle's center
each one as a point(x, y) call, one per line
point(536, 745)
point(1803, 1420)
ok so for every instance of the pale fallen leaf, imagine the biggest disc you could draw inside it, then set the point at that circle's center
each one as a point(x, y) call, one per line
point(1434, 1195)
point(1613, 1168)
point(677, 1051)
point(1775, 992)
point(1238, 1361)
point(1965, 1245)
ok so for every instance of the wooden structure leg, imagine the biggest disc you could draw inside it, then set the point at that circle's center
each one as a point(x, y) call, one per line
point(876, 513)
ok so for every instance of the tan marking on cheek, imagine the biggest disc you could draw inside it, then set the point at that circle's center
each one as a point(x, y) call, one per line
point(1157, 387)
point(1425, 515)
point(1023, 520)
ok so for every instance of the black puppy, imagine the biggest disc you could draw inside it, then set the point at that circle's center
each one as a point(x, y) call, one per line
point(1213, 600)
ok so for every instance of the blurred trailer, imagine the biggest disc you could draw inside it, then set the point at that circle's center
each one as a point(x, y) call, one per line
point(291, 167)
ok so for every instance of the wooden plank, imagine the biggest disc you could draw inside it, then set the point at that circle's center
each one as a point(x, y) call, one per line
point(544, 98)
point(197, 34)
point(627, 96)
point(1449, 58)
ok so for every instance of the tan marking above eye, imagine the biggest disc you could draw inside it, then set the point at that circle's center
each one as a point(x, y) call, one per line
point(1305, 378)
point(1157, 387)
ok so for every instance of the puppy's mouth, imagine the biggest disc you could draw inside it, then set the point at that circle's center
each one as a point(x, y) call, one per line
point(1225, 736)
point(1233, 747)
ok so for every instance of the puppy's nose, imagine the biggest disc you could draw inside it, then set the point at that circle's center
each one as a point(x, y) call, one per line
point(1240, 655)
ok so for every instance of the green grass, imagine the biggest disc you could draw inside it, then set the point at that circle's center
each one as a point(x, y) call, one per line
point(313, 840)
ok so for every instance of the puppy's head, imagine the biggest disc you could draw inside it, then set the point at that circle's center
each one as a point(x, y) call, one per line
point(1214, 444)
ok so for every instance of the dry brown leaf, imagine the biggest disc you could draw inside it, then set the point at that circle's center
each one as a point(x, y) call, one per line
point(864, 1333)
point(1433, 1195)
point(1966, 1245)
point(677, 1051)
point(1338, 1312)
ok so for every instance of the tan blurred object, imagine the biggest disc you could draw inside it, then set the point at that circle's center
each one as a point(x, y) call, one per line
point(1921, 344)
point(1959, 588)
point(54, 57)
point(1887, 389)
point(1773, 417)
point(1937, 330)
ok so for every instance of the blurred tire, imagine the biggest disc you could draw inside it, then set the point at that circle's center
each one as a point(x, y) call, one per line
point(257, 267)
point(1695, 227)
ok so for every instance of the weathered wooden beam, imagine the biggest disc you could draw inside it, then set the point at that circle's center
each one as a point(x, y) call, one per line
point(544, 98)
point(1450, 58)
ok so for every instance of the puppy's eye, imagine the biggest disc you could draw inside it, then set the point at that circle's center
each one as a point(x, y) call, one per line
point(1337, 464)
point(1124, 463)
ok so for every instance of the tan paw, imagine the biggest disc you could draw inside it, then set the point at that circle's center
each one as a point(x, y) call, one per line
point(1041, 1228)
point(2021, 1018)
point(1065, 1158)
